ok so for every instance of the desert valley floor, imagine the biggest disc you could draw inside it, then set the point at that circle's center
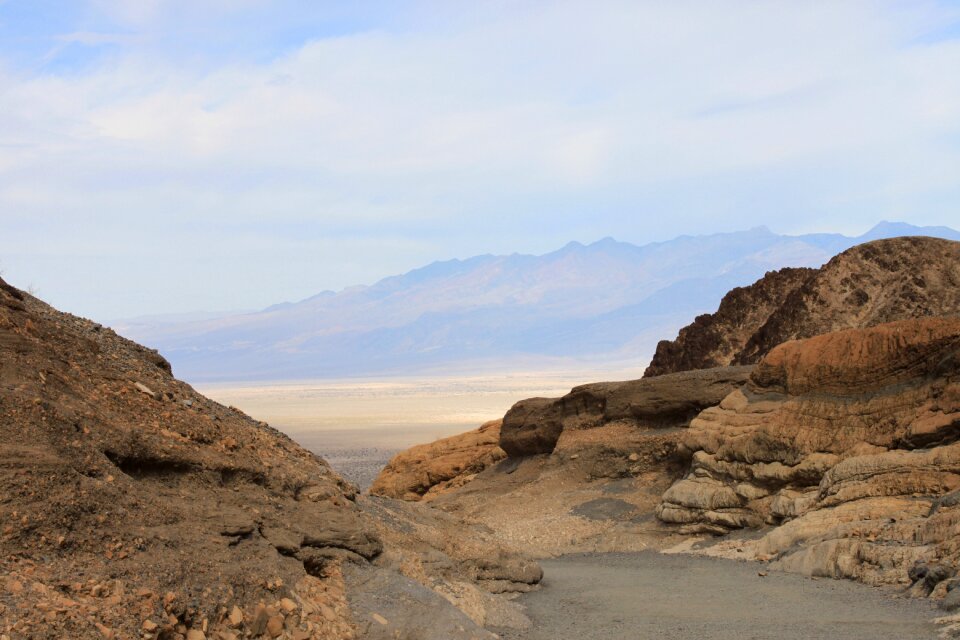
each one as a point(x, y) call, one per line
point(358, 424)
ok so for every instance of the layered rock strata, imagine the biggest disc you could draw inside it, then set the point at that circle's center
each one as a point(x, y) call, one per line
point(848, 444)
point(534, 426)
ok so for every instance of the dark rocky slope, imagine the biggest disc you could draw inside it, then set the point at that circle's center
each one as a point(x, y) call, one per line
point(131, 506)
point(870, 284)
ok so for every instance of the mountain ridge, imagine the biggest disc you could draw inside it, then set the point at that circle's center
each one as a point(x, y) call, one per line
point(607, 300)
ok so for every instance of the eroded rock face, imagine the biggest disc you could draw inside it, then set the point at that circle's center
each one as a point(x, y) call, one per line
point(424, 471)
point(534, 426)
point(134, 507)
point(847, 443)
point(612, 452)
point(870, 284)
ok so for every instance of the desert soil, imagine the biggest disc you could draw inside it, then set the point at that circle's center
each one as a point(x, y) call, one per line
point(651, 595)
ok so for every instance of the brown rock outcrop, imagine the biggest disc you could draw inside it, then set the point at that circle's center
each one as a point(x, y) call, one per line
point(612, 453)
point(848, 443)
point(534, 426)
point(135, 507)
point(426, 470)
point(866, 285)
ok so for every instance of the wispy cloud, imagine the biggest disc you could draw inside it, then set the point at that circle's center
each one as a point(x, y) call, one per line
point(373, 138)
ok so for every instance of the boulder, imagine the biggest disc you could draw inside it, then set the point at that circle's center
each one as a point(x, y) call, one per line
point(424, 471)
point(534, 426)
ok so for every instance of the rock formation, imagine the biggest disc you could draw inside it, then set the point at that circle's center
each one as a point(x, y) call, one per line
point(134, 507)
point(534, 426)
point(841, 448)
point(870, 284)
point(848, 444)
point(611, 449)
point(424, 471)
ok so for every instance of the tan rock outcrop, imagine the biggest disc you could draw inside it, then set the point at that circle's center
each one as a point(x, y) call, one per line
point(845, 443)
point(424, 471)
point(534, 426)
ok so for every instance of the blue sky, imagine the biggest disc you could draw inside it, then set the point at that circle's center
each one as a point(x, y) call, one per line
point(170, 156)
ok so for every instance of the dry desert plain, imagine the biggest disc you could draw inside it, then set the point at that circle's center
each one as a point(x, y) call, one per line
point(357, 424)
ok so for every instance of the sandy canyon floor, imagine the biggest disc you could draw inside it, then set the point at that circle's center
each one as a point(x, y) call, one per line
point(649, 595)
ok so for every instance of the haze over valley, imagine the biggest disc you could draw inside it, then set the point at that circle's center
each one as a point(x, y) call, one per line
point(599, 306)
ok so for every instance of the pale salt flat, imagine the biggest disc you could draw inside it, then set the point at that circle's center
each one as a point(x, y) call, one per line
point(394, 412)
point(358, 423)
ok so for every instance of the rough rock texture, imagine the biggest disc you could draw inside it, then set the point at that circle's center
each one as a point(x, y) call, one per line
point(867, 285)
point(849, 445)
point(424, 471)
point(612, 454)
point(715, 340)
point(131, 506)
point(534, 426)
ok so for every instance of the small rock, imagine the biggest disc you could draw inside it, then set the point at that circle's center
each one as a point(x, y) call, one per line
point(633, 457)
point(380, 619)
point(142, 388)
point(288, 605)
point(274, 626)
point(260, 619)
point(106, 632)
point(236, 617)
point(575, 456)
point(149, 625)
point(762, 574)
point(328, 613)
point(196, 634)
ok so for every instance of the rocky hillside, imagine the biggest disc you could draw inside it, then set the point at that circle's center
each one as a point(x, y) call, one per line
point(870, 284)
point(134, 507)
point(848, 445)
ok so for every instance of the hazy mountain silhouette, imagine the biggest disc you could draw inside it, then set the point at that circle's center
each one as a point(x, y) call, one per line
point(603, 302)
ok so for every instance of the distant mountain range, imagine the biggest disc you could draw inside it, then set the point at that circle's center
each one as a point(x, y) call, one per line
point(603, 303)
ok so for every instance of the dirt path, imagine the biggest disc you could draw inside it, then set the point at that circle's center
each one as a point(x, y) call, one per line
point(649, 595)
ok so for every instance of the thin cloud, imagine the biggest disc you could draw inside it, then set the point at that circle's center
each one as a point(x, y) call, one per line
point(440, 132)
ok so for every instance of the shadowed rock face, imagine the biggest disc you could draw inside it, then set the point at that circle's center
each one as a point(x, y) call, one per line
point(132, 503)
point(849, 442)
point(534, 426)
point(867, 285)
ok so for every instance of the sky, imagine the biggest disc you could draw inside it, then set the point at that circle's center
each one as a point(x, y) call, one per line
point(178, 155)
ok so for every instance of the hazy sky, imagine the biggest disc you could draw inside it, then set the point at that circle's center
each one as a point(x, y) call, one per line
point(179, 155)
